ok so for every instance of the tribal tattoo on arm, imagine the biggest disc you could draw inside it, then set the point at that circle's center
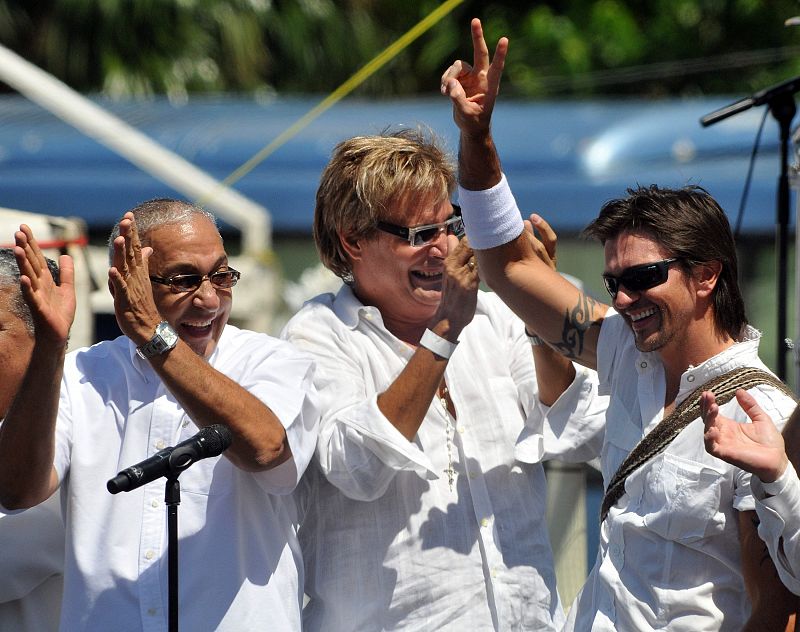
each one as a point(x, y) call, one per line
point(576, 323)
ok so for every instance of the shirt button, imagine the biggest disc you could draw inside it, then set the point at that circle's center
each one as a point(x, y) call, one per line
point(643, 364)
point(160, 445)
point(473, 475)
point(690, 378)
point(461, 430)
point(485, 522)
point(494, 572)
point(149, 555)
point(154, 504)
point(151, 611)
point(185, 423)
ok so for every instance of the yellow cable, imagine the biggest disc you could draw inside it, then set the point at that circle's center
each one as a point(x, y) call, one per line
point(342, 91)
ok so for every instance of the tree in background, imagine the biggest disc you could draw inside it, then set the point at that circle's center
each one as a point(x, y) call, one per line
point(559, 48)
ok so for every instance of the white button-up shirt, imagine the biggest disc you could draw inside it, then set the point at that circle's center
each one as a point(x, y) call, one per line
point(778, 508)
point(238, 554)
point(31, 561)
point(669, 555)
point(386, 542)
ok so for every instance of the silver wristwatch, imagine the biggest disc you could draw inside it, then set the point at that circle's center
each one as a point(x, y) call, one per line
point(162, 341)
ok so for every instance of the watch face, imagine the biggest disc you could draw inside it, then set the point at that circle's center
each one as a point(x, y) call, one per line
point(167, 334)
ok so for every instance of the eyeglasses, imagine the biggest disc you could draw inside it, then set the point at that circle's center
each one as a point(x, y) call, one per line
point(179, 283)
point(641, 277)
point(422, 235)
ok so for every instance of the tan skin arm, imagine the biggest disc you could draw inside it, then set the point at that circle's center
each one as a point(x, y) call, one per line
point(774, 607)
point(406, 401)
point(208, 396)
point(554, 372)
point(27, 435)
point(564, 317)
point(791, 438)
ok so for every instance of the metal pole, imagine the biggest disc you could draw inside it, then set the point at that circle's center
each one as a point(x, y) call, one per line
point(253, 220)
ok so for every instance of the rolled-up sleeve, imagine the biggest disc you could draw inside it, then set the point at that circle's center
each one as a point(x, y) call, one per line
point(778, 508)
point(358, 449)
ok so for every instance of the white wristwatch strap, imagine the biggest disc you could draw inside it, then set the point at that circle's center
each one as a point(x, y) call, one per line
point(437, 344)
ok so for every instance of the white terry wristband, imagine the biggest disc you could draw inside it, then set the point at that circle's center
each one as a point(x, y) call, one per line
point(491, 216)
point(434, 342)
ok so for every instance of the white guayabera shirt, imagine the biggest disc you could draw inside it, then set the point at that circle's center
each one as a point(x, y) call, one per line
point(387, 543)
point(669, 555)
point(31, 562)
point(239, 559)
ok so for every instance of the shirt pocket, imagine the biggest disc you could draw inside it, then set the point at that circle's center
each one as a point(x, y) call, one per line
point(680, 498)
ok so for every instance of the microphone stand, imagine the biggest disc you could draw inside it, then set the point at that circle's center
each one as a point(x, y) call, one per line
point(780, 100)
point(172, 498)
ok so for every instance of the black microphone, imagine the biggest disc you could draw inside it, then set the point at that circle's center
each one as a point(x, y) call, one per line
point(210, 441)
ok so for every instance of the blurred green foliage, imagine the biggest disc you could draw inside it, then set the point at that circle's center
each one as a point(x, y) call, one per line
point(558, 48)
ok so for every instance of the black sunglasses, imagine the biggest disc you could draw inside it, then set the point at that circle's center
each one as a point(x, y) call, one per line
point(179, 283)
point(641, 277)
point(421, 235)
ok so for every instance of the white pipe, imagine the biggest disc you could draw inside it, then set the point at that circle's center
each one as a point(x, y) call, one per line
point(253, 220)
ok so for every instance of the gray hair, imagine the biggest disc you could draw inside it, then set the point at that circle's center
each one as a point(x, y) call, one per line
point(159, 212)
point(9, 277)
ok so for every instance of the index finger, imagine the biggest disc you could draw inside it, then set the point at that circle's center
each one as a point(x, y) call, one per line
point(480, 51)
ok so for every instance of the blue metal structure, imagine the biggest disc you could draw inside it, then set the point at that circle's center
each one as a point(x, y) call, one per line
point(563, 158)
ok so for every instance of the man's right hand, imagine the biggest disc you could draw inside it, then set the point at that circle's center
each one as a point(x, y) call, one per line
point(52, 306)
point(473, 88)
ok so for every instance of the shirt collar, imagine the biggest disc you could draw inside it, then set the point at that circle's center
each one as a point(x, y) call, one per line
point(743, 352)
point(350, 310)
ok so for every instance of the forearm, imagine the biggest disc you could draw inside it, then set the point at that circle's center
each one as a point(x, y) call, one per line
point(791, 438)
point(773, 605)
point(406, 401)
point(210, 397)
point(27, 434)
point(478, 162)
point(554, 373)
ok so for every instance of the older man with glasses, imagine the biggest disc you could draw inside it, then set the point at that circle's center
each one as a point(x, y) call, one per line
point(179, 368)
point(416, 513)
point(678, 543)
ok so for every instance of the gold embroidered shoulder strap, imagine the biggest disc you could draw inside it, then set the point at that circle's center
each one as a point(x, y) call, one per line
point(724, 388)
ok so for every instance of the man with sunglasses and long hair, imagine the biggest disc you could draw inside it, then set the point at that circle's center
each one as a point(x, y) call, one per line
point(416, 514)
point(678, 543)
point(179, 367)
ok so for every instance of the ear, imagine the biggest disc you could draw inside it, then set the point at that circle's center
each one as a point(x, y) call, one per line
point(705, 276)
point(352, 247)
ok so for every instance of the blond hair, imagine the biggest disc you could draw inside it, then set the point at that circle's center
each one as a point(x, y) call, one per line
point(366, 177)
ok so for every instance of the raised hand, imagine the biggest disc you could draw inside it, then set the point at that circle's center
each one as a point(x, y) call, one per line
point(545, 244)
point(473, 88)
point(459, 287)
point(52, 306)
point(756, 447)
point(136, 311)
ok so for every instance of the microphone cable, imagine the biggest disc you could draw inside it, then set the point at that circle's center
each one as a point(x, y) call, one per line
point(749, 178)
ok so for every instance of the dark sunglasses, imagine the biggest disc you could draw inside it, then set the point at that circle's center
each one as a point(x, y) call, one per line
point(639, 278)
point(179, 283)
point(422, 235)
